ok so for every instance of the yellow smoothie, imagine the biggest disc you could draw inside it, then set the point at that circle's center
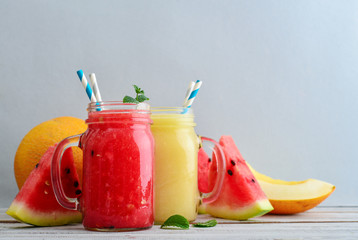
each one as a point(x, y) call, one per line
point(176, 166)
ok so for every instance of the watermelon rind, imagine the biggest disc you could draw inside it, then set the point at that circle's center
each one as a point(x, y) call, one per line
point(22, 213)
point(256, 209)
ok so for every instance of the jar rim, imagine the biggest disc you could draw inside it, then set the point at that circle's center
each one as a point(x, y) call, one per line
point(118, 105)
point(172, 110)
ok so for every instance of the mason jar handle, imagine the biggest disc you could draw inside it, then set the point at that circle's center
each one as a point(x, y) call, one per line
point(62, 199)
point(221, 166)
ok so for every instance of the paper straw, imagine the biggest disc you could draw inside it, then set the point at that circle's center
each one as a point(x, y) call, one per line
point(193, 94)
point(86, 86)
point(188, 92)
point(95, 87)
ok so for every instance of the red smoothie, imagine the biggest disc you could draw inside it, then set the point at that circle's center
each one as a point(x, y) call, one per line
point(117, 170)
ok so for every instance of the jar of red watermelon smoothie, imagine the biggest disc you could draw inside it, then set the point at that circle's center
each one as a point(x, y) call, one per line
point(176, 164)
point(118, 151)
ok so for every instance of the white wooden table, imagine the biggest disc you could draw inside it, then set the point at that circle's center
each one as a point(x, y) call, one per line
point(319, 223)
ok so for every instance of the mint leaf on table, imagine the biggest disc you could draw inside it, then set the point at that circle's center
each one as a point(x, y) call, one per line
point(140, 97)
point(176, 222)
point(210, 223)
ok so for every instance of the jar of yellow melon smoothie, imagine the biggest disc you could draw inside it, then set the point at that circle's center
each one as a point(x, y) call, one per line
point(176, 164)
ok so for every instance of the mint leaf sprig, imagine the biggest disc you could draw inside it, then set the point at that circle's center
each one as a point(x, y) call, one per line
point(140, 97)
point(180, 222)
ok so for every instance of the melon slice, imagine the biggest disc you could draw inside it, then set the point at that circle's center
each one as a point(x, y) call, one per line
point(290, 197)
point(36, 203)
point(241, 196)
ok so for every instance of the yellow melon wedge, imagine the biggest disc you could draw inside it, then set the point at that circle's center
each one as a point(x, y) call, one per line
point(290, 197)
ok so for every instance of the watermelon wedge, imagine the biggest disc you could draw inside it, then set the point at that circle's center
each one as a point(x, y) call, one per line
point(36, 203)
point(241, 196)
point(204, 163)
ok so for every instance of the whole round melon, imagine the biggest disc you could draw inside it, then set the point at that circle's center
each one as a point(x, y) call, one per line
point(36, 142)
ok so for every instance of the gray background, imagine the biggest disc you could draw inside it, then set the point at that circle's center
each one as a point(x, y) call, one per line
point(279, 76)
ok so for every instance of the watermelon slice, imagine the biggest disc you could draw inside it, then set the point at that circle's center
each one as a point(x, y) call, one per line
point(36, 203)
point(241, 196)
point(204, 163)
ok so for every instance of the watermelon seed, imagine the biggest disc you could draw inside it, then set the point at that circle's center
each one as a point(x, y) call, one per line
point(229, 172)
point(209, 159)
point(45, 192)
point(233, 162)
point(92, 153)
point(67, 170)
point(37, 165)
point(47, 183)
point(253, 180)
point(75, 184)
point(78, 192)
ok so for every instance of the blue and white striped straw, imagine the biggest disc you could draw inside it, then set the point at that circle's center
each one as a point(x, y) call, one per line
point(86, 86)
point(95, 88)
point(193, 94)
point(188, 92)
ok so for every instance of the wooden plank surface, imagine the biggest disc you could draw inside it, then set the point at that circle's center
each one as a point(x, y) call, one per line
point(318, 223)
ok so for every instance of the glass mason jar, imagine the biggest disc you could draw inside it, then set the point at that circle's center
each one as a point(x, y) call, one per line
point(176, 164)
point(118, 151)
